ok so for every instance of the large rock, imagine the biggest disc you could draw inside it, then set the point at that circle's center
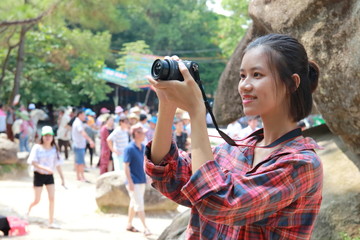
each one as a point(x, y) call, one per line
point(330, 31)
point(176, 230)
point(8, 150)
point(112, 196)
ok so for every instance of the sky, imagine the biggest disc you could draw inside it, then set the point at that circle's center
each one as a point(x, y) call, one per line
point(215, 5)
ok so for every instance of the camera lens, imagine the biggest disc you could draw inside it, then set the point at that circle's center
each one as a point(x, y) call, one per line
point(160, 69)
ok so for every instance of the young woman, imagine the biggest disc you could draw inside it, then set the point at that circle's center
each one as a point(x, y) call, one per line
point(45, 158)
point(245, 192)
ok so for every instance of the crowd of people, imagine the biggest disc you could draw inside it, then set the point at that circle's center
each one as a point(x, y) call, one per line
point(121, 136)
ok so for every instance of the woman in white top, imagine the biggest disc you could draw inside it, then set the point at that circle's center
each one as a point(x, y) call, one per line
point(45, 158)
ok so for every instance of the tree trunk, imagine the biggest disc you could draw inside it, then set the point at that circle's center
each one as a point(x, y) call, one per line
point(3, 67)
point(116, 96)
point(19, 64)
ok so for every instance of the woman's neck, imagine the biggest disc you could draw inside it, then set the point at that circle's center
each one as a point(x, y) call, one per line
point(275, 128)
point(47, 145)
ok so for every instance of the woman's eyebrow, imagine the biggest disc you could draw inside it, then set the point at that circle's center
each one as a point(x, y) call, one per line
point(253, 68)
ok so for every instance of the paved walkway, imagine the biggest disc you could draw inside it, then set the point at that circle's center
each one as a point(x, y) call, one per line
point(75, 210)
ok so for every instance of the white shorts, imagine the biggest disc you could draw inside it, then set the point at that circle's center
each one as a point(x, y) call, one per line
point(137, 196)
point(118, 161)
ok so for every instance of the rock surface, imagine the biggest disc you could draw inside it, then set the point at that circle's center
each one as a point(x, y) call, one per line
point(112, 196)
point(330, 31)
point(8, 150)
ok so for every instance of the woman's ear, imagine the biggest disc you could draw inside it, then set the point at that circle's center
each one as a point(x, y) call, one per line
point(296, 78)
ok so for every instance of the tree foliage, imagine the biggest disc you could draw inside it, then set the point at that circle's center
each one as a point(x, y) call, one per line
point(233, 27)
point(68, 42)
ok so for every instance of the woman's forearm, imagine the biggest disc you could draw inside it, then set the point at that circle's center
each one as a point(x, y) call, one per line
point(163, 133)
point(200, 144)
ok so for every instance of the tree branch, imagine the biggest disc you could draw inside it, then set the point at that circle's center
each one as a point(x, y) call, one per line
point(30, 20)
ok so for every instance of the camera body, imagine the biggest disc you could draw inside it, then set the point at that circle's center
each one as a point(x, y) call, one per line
point(168, 69)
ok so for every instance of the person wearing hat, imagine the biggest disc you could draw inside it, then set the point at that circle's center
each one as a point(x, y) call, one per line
point(133, 118)
point(185, 117)
point(26, 128)
point(152, 124)
point(31, 106)
point(45, 158)
point(135, 175)
point(119, 111)
point(104, 114)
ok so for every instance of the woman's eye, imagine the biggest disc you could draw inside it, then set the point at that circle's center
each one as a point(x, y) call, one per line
point(257, 75)
point(242, 77)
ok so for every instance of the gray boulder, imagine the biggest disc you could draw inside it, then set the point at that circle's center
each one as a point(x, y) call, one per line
point(8, 150)
point(330, 31)
point(112, 196)
point(177, 228)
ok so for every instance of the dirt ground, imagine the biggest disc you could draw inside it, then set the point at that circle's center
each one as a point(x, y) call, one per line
point(75, 210)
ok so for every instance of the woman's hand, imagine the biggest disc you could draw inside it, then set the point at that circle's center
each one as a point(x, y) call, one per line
point(183, 94)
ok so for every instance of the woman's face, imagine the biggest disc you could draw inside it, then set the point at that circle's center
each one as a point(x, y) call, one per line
point(47, 138)
point(257, 87)
point(110, 122)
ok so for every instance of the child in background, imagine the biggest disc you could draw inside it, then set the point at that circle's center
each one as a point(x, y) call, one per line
point(45, 158)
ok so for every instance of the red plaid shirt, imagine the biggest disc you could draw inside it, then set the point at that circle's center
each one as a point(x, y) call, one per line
point(229, 199)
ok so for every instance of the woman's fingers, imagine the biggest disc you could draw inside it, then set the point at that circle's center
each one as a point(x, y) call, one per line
point(185, 72)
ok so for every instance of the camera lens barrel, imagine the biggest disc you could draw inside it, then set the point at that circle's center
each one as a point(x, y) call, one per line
point(166, 69)
point(160, 69)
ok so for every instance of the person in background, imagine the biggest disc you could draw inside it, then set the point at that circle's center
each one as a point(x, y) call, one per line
point(64, 132)
point(79, 138)
point(271, 188)
point(92, 134)
point(117, 141)
point(135, 175)
point(10, 119)
point(106, 164)
point(119, 112)
point(45, 158)
point(252, 122)
point(145, 125)
point(180, 136)
point(90, 129)
point(104, 114)
point(186, 121)
point(2, 119)
point(152, 124)
point(26, 128)
point(133, 118)
point(234, 130)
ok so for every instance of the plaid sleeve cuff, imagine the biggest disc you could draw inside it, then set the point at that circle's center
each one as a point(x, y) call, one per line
point(210, 178)
point(167, 166)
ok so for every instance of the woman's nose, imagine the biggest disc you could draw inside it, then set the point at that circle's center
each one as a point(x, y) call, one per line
point(245, 85)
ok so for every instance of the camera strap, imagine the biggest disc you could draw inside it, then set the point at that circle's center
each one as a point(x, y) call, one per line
point(286, 137)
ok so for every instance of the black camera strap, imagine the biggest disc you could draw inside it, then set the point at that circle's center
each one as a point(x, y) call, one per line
point(286, 137)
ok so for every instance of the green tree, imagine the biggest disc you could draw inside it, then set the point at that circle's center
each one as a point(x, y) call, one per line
point(233, 28)
point(171, 27)
point(62, 57)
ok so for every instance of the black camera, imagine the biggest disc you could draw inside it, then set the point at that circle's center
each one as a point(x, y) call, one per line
point(168, 69)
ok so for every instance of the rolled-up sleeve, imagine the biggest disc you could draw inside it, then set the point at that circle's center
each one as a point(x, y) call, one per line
point(171, 174)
